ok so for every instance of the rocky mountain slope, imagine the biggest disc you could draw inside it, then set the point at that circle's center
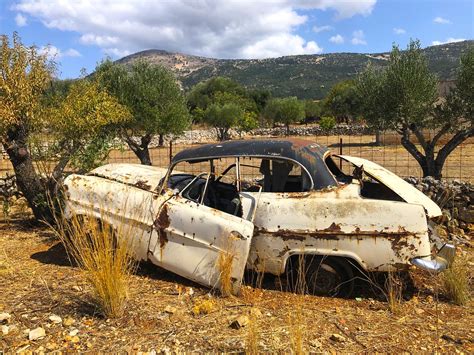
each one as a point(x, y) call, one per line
point(305, 76)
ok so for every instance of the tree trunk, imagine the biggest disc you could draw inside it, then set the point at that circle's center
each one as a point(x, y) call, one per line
point(27, 179)
point(161, 140)
point(377, 138)
point(141, 150)
point(144, 156)
point(287, 130)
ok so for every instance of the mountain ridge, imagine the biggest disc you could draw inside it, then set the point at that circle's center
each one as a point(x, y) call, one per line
point(307, 76)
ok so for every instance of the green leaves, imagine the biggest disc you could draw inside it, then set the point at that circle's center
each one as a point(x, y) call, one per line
point(152, 95)
point(402, 94)
point(26, 74)
point(285, 110)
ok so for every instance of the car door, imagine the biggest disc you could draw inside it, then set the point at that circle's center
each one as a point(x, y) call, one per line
point(201, 243)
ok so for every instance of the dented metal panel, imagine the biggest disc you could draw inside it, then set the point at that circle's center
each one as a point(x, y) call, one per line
point(122, 206)
point(375, 233)
point(402, 188)
point(191, 239)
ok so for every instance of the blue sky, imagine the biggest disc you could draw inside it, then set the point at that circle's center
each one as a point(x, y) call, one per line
point(80, 33)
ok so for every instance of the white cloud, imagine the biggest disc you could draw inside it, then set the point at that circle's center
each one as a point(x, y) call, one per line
point(55, 53)
point(215, 28)
point(71, 52)
point(358, 38)
point(441, 20)
point(322, 28)
point(20, 20)
point(399, 31)
point(338, 39)
point(449, 40)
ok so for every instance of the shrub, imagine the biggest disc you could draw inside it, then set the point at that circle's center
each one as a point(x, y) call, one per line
point(327, 123)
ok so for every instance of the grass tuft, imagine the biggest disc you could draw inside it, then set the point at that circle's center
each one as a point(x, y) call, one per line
point(104, 255)
point(456, 281)
point(253, 337)
point(393, 291)
point(296, 331)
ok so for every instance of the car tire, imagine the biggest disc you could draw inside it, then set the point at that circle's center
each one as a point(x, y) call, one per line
point(324, 276)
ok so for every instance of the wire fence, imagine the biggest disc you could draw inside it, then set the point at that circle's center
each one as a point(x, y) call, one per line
point(390, 154)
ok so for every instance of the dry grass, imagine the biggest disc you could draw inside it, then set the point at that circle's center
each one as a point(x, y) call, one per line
point(224, 264)
point(252, 337)
point(296, 329)
point(393, 292)
point(105, 257)
point(457, 280)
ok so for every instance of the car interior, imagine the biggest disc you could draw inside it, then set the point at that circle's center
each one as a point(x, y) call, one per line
point(370, 188)
point(221, 190)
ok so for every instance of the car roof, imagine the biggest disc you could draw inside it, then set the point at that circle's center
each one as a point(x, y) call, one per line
point(309, 154)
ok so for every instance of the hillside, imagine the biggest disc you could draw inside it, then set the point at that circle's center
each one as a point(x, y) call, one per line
point(305, 76)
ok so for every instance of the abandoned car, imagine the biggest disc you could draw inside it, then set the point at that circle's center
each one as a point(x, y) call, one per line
point(273, 206)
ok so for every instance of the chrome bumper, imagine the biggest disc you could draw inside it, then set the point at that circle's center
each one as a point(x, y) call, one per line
point(438, 262)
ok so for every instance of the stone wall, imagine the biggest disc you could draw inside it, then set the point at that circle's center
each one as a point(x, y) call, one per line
point(456, 200)
point(209, 135)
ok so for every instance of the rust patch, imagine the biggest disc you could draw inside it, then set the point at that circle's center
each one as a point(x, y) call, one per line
point(333, 228)
point(161, 223)
point(141, 184)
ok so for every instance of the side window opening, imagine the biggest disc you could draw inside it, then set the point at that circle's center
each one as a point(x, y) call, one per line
point(273, 175)
point(202, 182)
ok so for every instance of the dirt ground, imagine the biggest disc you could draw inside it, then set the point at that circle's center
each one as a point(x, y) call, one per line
point(38, 281)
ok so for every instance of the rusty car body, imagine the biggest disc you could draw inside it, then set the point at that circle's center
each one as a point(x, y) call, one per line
point(268, 204)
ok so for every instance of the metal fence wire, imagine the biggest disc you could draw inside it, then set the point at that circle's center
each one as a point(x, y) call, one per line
point(390, 154)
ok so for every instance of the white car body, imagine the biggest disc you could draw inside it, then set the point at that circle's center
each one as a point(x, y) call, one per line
point(189, 236)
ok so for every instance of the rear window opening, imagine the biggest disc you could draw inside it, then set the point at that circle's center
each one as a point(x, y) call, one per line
point(343, 171)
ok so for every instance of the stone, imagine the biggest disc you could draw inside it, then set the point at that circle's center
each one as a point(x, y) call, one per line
point(5, 329)
point(315, 343)
point(240, 322)
point(68, 321)
point(337, 337)
point(74, 332)
point(467, 215)
point(170, 309)
point(55, 319)
point(36, 333)
point(5, 317)
point(255, 312)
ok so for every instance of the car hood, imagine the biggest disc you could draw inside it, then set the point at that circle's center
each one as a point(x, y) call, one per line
point(402, 188)
point(142, 176)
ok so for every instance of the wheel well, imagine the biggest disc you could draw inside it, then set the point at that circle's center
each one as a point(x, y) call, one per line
point(296, 260)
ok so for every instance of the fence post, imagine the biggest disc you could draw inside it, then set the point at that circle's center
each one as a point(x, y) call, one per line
point(171, 151)
point(340, 153)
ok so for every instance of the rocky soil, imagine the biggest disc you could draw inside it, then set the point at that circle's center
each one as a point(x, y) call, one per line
point(45, 306)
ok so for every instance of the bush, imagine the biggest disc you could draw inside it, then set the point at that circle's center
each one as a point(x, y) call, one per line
point(327, 123)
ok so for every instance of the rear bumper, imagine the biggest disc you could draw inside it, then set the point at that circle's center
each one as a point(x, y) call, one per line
point(436, 263)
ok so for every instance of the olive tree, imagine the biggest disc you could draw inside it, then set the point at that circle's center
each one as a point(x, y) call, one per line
point(285, 110)
point(342, 101)
point(154, 98)
point(224, 104)
point(403, 97)
point(70, 125)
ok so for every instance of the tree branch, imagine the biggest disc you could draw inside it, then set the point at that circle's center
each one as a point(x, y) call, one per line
point(411, 148)
point(419, 136)
point(441, 132)
point(456, 140)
